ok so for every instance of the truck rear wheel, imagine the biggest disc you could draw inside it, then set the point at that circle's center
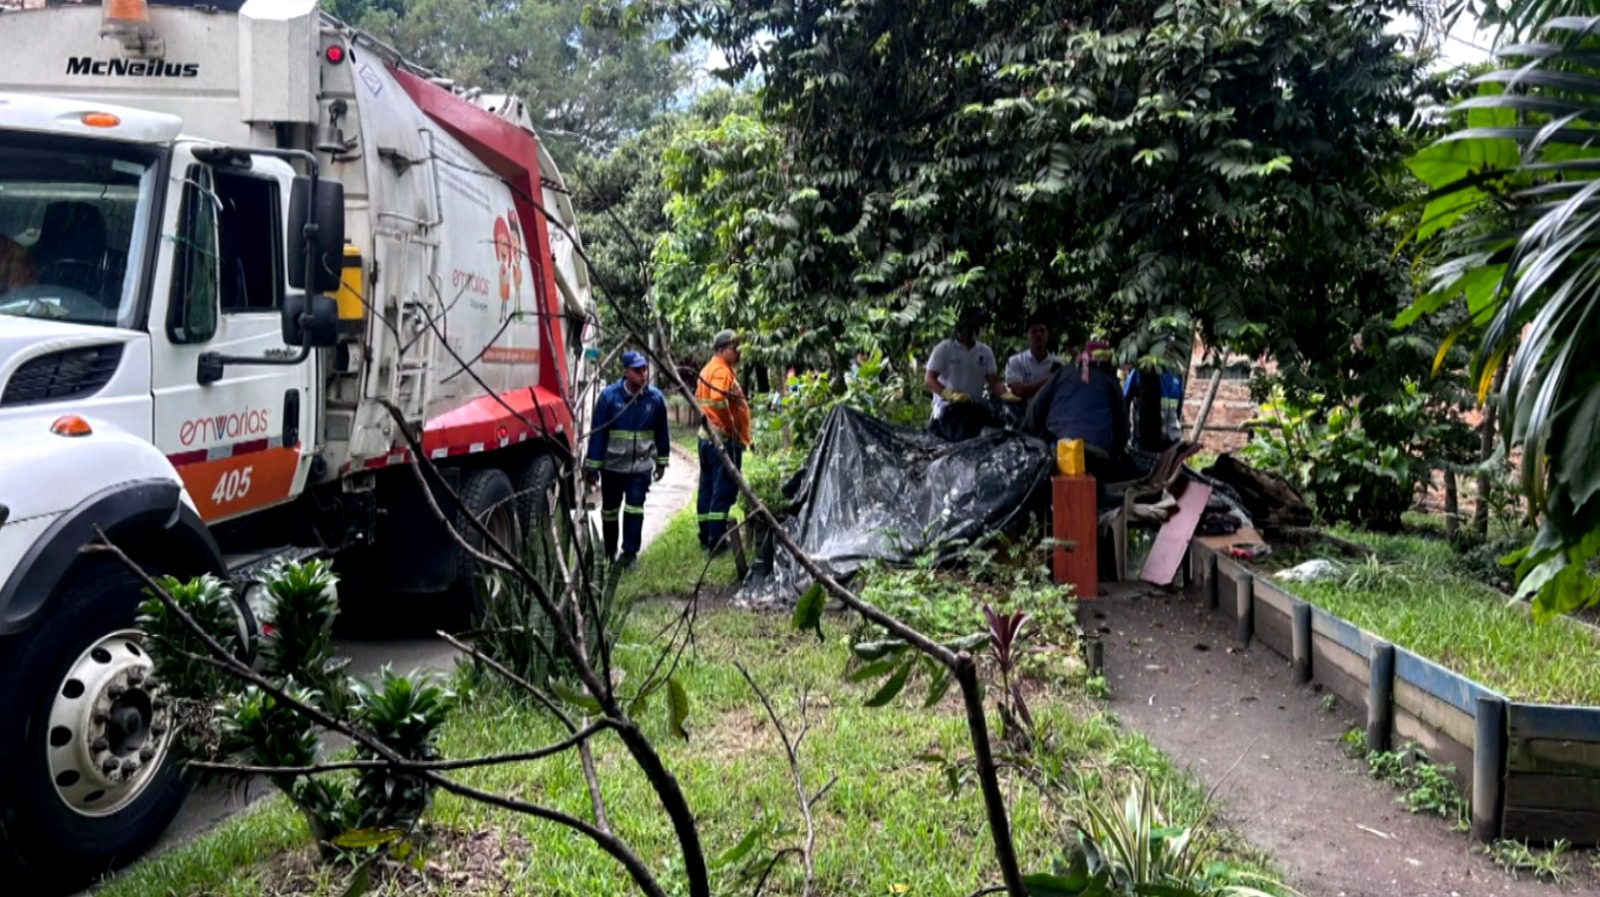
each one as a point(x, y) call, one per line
point(540, 493)
point(87, 780)
point(488, 496)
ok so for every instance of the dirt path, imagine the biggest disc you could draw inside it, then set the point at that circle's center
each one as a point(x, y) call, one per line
point(1331, 828)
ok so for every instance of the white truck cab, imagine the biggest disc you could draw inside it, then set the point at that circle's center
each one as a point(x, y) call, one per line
point(232, 238)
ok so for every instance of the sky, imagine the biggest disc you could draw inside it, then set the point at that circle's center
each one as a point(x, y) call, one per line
point(1465, 43)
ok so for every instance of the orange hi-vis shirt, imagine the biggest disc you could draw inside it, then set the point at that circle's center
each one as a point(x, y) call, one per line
point(724, 402)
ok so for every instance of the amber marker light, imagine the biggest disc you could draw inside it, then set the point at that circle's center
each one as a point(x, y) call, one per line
point(71, 425)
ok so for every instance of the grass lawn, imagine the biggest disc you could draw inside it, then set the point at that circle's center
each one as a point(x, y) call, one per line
point(671, 565)
point(890, 825)
point(1412, 595)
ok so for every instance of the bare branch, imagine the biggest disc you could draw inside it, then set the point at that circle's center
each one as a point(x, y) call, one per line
point(761, 884)
point(596, 799)
point(577, 740)
point(538, 694)
point(791, 747)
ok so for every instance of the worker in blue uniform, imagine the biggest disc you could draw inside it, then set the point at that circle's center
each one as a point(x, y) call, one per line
point(629, 447)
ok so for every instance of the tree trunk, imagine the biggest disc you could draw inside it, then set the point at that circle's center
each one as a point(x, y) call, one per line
point(1452, 506)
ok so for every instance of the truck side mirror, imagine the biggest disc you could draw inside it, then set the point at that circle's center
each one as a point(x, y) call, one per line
point(326, 210)
point(310, 320)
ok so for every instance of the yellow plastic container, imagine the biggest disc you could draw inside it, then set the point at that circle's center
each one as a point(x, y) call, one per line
point(1069, 457)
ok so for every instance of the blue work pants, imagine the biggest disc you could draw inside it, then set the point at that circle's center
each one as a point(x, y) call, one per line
point(718, 492)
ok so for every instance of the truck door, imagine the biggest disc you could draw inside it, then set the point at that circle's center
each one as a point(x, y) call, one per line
point(245, 441)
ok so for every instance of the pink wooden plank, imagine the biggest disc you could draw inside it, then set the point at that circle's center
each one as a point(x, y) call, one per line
point(1167, 554)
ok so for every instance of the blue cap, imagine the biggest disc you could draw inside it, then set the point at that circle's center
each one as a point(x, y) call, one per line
point(634, 360)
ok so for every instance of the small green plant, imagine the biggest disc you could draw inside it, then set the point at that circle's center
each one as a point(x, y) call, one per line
point(1098, 688)
point(210, 602)
point(1516, 857)
point(1329, 703)
point(1425, 787)
point(405, 713)
point(302, 602)
point(1139, 851)
point(1354, 742)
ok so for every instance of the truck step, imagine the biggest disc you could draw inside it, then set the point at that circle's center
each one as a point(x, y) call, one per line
point(247, 565)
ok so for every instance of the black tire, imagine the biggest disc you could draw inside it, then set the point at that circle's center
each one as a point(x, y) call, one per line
point(538, 482)
point(53, 847)
point(486, 494)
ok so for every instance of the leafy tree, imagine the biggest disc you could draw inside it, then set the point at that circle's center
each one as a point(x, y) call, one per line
point(587, 84)
point(1511, 213)
point(622, 200)
point(1114, 166)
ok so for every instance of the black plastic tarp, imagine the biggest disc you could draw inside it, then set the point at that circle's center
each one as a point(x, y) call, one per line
point(874, 491)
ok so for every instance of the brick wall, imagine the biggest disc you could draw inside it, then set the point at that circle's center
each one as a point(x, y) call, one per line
point(1233, 405)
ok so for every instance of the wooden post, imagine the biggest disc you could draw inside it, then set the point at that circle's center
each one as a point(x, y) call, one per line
point(1301, 642)
point(1244, 611)
point(1380, 695)
point(1210, 582)
point(1096, 661)
point(1075, 519)
point(1488, 768)
point(1205, 407)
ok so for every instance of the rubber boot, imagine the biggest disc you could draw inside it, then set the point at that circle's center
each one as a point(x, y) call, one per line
point(608, 529)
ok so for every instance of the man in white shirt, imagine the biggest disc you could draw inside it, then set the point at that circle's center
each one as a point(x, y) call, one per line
point(958, 369)
point(1029, 370)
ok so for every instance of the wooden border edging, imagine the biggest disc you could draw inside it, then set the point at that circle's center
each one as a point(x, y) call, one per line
point(1532, 771)
point(1488, 768)
point(1243, 607)
point(1301, 628)
point(1380, 696)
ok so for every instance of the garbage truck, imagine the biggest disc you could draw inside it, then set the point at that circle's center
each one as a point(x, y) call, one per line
point(244, 250)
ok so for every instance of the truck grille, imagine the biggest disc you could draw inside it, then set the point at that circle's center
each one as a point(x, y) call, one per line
point(71, 374)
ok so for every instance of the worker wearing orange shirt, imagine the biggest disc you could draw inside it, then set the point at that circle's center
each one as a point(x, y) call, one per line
point(728, 414)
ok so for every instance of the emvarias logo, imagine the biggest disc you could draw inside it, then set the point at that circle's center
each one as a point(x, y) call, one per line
point(216, 427)
point(132, 68)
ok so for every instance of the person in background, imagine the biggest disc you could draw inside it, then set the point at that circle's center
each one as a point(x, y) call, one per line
point(1085, 402)
point(728, 415)
point(629, 448)
point(1157, 415)
point(1029, 370)
point(16, 266)
point(958, 369)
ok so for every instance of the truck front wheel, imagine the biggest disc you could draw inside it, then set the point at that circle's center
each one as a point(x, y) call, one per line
point(87, 781)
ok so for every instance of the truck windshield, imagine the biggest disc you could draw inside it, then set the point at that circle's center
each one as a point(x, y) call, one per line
point(73, 221)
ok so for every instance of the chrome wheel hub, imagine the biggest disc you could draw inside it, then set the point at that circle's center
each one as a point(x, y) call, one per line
point(109, 727)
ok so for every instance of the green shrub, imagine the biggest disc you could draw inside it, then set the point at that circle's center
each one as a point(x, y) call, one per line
point(1135, 849)
point(1330, 452)
point(251, 726)
point(514, 628)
